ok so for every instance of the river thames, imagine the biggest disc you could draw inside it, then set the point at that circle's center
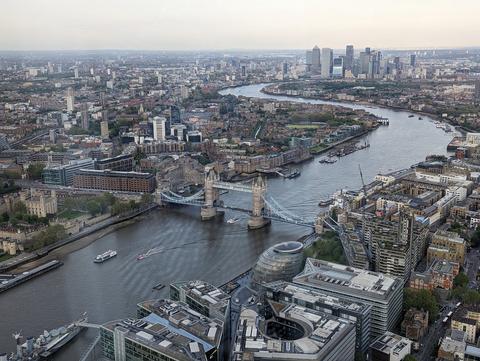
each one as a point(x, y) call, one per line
point(212, 251)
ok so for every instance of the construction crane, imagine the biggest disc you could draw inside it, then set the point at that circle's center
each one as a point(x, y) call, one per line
point(363, 207)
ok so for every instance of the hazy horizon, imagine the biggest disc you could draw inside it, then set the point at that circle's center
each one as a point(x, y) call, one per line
point(215, 25)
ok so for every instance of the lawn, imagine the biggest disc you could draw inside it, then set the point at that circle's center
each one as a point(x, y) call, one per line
point(302, 126)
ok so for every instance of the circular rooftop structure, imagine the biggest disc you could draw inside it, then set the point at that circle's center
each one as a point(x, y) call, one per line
point(282, 261)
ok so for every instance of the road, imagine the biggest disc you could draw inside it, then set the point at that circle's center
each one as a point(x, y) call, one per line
point(472, 265)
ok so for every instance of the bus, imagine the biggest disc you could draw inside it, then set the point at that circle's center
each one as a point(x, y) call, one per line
point(445, 320)
point(449, 314)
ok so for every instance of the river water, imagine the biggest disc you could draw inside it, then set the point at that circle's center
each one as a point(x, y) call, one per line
point(212, 251)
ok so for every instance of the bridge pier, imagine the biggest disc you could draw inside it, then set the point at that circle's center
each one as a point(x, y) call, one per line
point(259, 188)
point(209, 210)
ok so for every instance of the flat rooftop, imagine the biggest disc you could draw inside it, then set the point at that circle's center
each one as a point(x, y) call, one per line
point(174, 330)
point(316, 296)
point(352, 280)
point(322, 333)
point(204, 293)
point(391, 344)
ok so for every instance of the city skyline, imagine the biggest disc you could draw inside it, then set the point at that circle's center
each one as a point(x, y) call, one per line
point(194, 25)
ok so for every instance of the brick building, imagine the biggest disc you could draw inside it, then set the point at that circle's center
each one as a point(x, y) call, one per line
point(114, 181)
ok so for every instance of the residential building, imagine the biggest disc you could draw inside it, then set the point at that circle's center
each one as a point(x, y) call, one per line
point(384, 293)
point(452, 347)
point(462, 322)
point(114, 181)
point(357, 312)
point(123, 162)
point(104, 129)
point(415, 324)
point(448, 246)
point(390, 347)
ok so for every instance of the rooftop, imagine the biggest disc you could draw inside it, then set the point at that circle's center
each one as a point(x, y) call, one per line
point(352, 280)
point(174, 330)
point(391, 344)
point(314, 296)
point(204, 293)
point(321, 333)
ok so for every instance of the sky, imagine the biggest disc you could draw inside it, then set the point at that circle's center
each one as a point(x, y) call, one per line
point(237, 24)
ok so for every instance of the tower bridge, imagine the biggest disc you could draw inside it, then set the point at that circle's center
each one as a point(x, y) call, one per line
point(264, 207)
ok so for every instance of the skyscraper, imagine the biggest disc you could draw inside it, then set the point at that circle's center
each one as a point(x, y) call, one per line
point(364, 61)
point(327, 62)
point(308, 58)
point(413, 60)
point(337, 71)
point(349, 57)
point(104, 129)
point(85, 116)
point(316, 58)
point(70, 100)
point(159, 129)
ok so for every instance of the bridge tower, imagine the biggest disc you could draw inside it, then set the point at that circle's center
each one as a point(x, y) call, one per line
point(319, 224)
point(259, 189)
point(209, 210)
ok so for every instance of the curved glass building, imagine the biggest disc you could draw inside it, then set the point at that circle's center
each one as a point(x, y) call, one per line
point(280, 262)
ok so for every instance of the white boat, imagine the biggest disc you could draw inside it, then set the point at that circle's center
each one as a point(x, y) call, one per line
point(105, 256)
point(232, 220)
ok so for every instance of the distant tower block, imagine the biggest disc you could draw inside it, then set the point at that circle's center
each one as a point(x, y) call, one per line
point(209, 211)
point(259, 188)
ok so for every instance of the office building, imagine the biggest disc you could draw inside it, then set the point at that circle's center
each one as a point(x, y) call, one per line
point(308, 59)
point(327, 62)
point(316, 59)
point(280, 262)
point(159, 128)
point(70, 100)
point(390, 347)
point(123, 162)
point(349, 57)
point(448, 246)
point(62, 175)
point(357, 312)
point(114, 181)
point(291, 332)
point(179, 131)
point(105, 134)
point(364, 60)
point(194, 136)
point(338, 69)
point(171, 332)
point(384, 293)
point(202, 297)
point(413, 60)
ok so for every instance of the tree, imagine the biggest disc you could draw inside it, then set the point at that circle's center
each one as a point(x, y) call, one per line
point(34, 170)
point(94, 207)
point(409, 358)
point(475, 239)
point(461, 280)
point(421, 300)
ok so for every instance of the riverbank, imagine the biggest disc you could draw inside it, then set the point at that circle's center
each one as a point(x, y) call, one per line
point(77, 241)
point(367, 104)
